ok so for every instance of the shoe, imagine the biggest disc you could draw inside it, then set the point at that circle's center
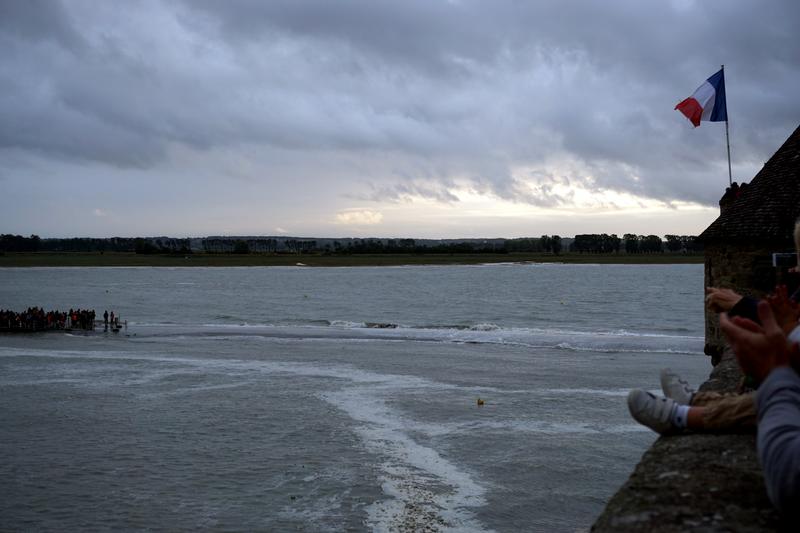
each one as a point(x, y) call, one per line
point(652, 411)
point(676, 388)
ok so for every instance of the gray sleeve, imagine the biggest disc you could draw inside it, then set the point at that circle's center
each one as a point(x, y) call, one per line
point(778, 401)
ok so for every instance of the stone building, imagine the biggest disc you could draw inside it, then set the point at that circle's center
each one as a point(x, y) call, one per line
point(755, 221)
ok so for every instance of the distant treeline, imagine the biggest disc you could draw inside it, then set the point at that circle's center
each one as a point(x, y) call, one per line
point(404, 246)
point(585, 243)
point(18, 243)
point(635, 244)
point(545, 243)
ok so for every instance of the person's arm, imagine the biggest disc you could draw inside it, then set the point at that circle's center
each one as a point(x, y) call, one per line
point(778, 402)
point(720, 300)
point(731, 302)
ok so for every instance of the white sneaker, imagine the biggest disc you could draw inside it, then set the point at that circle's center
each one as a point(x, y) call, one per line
point(652, 411)
point(676, 388)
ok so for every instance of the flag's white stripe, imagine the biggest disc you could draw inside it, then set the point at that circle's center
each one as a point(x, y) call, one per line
point(706, 95)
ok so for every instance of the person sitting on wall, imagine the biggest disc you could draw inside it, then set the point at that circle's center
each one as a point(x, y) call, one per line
point(682, 408)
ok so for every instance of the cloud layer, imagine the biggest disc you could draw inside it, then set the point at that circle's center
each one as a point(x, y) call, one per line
point(360, 103)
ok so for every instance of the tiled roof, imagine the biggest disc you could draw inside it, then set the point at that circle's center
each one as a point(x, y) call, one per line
point(768, 207)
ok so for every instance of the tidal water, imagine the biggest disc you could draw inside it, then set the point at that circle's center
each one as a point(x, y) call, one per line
point(341, 399)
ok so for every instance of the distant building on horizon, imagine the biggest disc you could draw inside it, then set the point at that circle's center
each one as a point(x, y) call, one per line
point(755, 221)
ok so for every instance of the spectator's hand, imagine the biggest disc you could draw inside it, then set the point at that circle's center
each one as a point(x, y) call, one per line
point(721, 299)
point(759, 349)
point(786, 310)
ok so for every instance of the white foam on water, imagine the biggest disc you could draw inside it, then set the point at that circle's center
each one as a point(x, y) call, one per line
point(348, 324)
point(338, 323)
point(423, 488)
point(344, 372)
point(413, 475)
point(485, 327)
point(590, 392)
point(540, 427)
point(420, 485)
point(499, 264)
point(619, 349)
point(304, 369)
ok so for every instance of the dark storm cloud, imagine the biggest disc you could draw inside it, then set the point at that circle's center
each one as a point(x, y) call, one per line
point(405, 192)
point(440, 90)
point(39, 20)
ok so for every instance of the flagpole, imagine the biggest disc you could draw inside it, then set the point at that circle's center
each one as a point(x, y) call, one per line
point(727, 134)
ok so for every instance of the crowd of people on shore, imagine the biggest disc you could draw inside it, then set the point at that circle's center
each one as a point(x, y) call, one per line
point(37, 319)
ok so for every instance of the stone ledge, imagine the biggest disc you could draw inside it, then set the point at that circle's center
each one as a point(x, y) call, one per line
point(695, 482)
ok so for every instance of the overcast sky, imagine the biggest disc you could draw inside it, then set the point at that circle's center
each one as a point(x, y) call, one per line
point(412, 118)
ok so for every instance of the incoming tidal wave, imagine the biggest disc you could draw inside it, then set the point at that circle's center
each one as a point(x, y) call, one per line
point(617, 341)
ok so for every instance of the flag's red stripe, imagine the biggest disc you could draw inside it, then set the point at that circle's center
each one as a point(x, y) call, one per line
point(691, 108)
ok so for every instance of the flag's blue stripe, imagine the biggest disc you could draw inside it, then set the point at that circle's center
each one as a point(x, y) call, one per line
point(720, 111)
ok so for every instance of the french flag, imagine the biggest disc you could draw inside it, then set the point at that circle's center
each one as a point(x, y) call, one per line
point(708, 101)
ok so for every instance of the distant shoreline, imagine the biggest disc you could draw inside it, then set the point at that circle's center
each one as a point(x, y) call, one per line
point(120, 259)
